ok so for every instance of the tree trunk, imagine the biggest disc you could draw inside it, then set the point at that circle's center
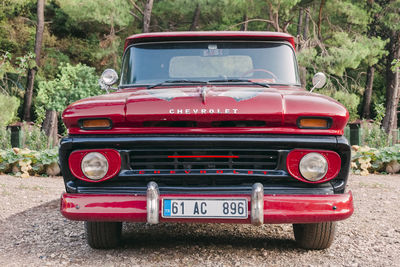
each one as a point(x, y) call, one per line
point(299, 26)
point(321, 6)
point(50, 127)
point(32, 71)
point(302, 36)
point(147, 16)
point(366, 105)
point(392, 87)
point(196, 17)
point(306, 23)
point(245, 24)
point(274, 17)
point(366, 110)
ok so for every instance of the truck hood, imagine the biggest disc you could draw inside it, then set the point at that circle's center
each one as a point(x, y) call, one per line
point(205, 105)
point(208, 107)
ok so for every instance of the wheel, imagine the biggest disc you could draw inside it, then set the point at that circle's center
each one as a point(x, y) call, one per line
point(103, 235)
point(314, 235)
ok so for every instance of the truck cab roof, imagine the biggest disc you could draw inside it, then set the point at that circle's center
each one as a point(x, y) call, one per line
point(209, 35)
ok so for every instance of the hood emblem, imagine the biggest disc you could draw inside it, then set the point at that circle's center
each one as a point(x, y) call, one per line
point(240, 95)
point(166, 94)
point(203, 94)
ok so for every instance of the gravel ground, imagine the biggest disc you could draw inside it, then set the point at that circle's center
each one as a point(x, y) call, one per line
point(33, 233)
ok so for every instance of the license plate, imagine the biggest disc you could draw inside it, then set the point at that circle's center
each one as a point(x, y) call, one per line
point(205, 208)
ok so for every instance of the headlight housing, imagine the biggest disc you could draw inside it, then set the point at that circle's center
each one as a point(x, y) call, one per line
point(313, 166)
point(94, 165)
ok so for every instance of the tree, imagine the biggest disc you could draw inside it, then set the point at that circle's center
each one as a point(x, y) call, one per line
point(147, 16)
point(109, 16)
point(391, 21)
point(32, 70)
point(196, 17)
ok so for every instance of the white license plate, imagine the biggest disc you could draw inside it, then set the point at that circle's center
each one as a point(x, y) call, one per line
point(204, 208)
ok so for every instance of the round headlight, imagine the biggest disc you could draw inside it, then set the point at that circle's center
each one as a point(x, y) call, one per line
point(313, 166)
point(94, 165)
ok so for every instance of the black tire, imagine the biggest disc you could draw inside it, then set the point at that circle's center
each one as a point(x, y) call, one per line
point(314, 235)
point(103, 235)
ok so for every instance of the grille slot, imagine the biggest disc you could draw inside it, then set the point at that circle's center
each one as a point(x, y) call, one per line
point(178, 159)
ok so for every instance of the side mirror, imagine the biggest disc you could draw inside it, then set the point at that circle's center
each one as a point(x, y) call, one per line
point(319, 80)
point(107, 79)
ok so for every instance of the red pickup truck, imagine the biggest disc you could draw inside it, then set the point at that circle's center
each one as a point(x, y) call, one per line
point(207, 127)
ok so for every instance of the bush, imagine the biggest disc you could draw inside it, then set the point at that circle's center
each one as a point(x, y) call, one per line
point(366, 159)
point(5, 138)
point(372, 135)
point(34, 138)
point(71, 84)
point(349, 100)
point(8, 109)
point(362, 159)
point(25, 162)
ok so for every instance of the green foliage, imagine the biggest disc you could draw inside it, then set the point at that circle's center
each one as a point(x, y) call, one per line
point(344, 51)
point(388, 154)
point(8, 109)
point(9, 8)
point(5, 138)
point(373, 135)
point(33, 137)
point(11, 71)
point(52, 60)
point(349, 100)
point(71, 84)
point(111, 12)
point(366, 160)
point(7, 159)
point(362, 159)
point(391, 18)
point(25, 162)
point(92, 33)
point(395, 65)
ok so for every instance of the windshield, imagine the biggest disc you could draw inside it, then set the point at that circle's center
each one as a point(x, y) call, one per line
point(147, 64)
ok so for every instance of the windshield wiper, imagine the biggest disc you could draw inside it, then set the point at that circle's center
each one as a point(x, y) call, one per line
point(174, 81)
point(239, 80)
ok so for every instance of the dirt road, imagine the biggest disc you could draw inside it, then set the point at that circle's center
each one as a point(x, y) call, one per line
point(33, 233)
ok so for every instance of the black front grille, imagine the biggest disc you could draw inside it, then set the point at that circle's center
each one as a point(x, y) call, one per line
point(198, 159)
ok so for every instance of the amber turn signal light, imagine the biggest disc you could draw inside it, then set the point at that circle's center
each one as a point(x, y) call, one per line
point(96, 124)
point(317, 123)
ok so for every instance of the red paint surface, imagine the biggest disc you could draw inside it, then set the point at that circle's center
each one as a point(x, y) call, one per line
point(277, 208)
point(210, 35)
point(204, 156)
point(104, 207)
point(112, 156)
point(279, 107)
point(294, 157)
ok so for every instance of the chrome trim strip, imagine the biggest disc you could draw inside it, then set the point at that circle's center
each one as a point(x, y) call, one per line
point(257, 204)
point(153, 203)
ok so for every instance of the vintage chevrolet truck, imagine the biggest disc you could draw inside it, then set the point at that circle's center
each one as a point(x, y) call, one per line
point(207, 127)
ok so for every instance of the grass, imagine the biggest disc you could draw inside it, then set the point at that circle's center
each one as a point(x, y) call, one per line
point(35, 188)
point(373, 185)
point(6, 193)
